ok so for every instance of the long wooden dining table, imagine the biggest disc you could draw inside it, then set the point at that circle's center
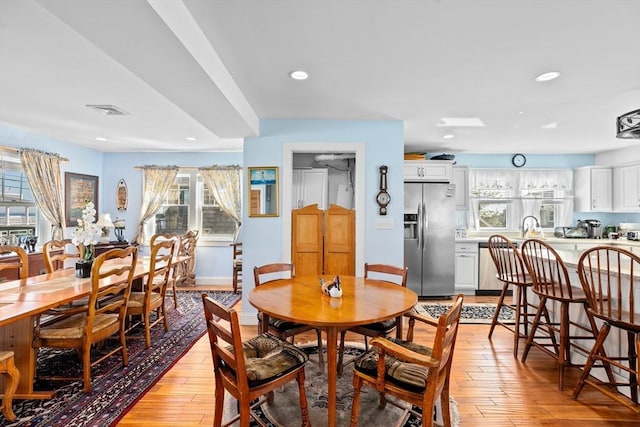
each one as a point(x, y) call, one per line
point(22, 301)
point(363, 301)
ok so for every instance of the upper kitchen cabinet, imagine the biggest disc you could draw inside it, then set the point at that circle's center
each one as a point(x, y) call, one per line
point(593, 186)
point(461, 181)
point(310, 186)
point(428, 170)
point(626, 187)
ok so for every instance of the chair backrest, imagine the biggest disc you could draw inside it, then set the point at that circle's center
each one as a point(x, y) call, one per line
point(507, 259)
point(607, 277)
point(111, 276)
point(162, 252)
point(62, 259)
point(175, 250)
point(226, 342)
point(21, 264)
point(237, 251)
point(443, 345)
point(386, 272)
point(548, 272)
point(272, 272)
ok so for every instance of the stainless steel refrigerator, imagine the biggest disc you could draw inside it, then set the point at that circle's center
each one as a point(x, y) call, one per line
point(429, 238)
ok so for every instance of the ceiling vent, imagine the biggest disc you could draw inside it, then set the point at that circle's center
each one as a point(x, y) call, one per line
point(629, 125)
point(109, 110)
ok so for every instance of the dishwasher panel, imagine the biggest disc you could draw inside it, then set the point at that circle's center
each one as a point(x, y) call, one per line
point(488, 283)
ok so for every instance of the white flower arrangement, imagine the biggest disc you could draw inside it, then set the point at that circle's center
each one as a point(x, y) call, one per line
point(87, 233)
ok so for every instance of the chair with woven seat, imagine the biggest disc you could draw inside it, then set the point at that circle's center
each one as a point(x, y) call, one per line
point(104, 316)
point(609, 279)
point(283, 329)
point(551, 284)
point(21, 264)
point(8, 368)
point(512, 272)
point(409, 371)
point(387, 273)
point(57, 254)
point(174, 276)
point(266, 363)
point(152, 296)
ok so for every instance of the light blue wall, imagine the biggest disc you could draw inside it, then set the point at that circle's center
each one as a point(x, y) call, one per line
point(262, 237)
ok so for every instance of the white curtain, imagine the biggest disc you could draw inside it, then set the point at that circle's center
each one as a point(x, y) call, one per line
point(43, 172)
point(224, 183)
point(157, 181)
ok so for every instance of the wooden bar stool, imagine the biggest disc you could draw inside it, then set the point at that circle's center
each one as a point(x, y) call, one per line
point(8, 368)
point(511, 272)
point(607, 277)
point(552, 285)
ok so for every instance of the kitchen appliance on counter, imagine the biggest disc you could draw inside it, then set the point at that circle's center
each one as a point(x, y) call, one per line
point(633, 235)
point(429, 243)
point(593, 227)
point(570, 232)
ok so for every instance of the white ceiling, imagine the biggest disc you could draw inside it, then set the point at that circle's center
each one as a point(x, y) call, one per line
point(212, 69)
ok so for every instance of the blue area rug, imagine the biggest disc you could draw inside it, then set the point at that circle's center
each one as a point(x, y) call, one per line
point(115, 387)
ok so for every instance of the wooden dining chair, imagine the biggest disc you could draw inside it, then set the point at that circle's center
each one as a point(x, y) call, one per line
point(551, 283)
point(12, 375)
point(411, 372)
point(283, 328)
point(152, 296)
point(250, 370)
point(83, 326)
point(237, 266)
point(609, 279)
point(388, 273)
point(176, 270)
point(57, 255)
point(513, 274)
point(21, 263)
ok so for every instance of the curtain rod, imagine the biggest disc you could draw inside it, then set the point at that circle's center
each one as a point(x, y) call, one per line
point(13, 150)
point(185, 167)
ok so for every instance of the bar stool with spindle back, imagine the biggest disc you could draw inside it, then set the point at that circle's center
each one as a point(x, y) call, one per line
point(511, 271)
point(551, 284)
point(609, 277)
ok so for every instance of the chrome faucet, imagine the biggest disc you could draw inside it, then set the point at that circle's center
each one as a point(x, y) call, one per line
point(524, 220)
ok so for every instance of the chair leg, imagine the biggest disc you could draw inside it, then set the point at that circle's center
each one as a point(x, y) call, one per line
point(355, 407)
point(320, 351)
point(175, 294)
point(516, 332)
point(304, 411)
point(564, 355)
point(147, 330)
point(595, 351)
point(165, 320)
point(13, 376)
point(494, 321)
point(86, 368)
point(341, 352)
point(219, 403)
point(444, 404)
point(534, 328)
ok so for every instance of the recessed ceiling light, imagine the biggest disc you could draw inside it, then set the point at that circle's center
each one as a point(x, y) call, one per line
point(100, 138)
point(460, 122)
point(191, 138)
point(545, 77)
point(448, 136)
point(299, 75)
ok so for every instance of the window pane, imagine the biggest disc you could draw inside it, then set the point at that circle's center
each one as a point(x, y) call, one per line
point(547, 216)
point(172, 219)
point(215, 221)
point(492, 214)
point(179, 193)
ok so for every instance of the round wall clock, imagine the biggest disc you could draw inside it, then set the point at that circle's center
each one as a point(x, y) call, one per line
point(518, 160)
point(383, 198)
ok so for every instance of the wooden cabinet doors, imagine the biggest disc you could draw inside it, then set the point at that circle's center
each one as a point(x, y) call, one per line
point(323, 242)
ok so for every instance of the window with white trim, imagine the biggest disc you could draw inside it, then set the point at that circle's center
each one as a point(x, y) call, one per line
point(18, 211)
point(191, 206)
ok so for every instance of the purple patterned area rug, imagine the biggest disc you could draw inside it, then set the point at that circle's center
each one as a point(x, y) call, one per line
point(115, 388)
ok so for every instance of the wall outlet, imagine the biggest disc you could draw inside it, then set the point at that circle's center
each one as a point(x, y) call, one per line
point(384, 224)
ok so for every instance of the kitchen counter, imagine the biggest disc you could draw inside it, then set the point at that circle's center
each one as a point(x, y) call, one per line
point(559, 240)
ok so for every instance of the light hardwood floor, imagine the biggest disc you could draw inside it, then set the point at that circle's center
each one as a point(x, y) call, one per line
point(491, 387)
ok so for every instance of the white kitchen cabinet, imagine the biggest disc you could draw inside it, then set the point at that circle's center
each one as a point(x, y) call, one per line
point(310, 186)
point(466, 268)
point(626, 188)
point(593, 189)
point(461, 181)
point(428, 170)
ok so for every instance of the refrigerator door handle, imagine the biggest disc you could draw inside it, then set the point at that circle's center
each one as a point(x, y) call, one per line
point(419, 226)
point(426, 226)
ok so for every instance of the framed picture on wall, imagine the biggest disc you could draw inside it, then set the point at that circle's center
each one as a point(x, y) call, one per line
point(79, 190)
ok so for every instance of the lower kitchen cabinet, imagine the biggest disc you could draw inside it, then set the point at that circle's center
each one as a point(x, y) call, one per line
point(466, 268)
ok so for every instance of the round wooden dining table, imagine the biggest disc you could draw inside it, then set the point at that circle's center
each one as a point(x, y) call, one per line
point(363, 301)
